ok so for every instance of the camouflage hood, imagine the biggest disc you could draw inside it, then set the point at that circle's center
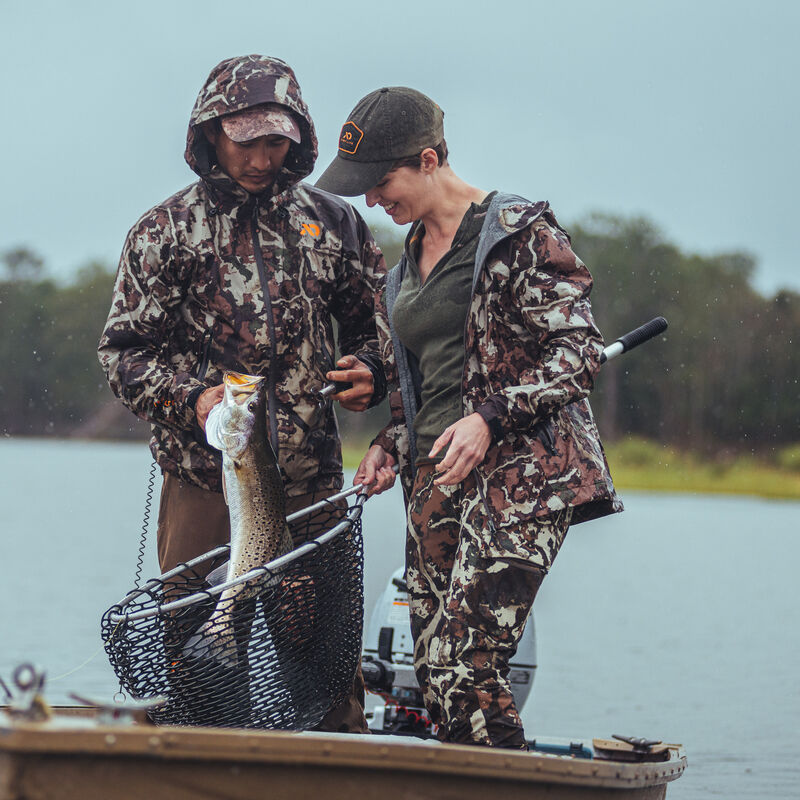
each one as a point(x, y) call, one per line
point(234, 85)
point(214, 278)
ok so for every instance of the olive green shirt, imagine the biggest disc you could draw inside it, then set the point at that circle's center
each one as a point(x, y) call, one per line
point(429, 319)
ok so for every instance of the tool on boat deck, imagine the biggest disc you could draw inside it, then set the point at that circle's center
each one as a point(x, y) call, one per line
point(128, 713)
point(29, 704)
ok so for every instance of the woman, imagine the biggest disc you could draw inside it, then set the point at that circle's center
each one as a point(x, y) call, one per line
point(490, 349)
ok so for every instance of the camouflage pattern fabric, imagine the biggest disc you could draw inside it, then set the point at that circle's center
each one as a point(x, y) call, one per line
point(532, 350)
point(215, 278)
point(468, 610)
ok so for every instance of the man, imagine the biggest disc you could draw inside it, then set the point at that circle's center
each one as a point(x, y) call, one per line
point(244, 269)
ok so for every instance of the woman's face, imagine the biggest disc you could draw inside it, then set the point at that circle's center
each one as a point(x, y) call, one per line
point(401, 193)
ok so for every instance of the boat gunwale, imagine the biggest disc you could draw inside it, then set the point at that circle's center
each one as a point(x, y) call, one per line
point(333, 751)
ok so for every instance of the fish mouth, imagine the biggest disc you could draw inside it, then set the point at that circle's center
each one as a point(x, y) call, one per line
point(241, 386)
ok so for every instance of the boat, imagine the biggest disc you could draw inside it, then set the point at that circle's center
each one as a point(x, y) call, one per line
point(114, 751)
point(104, 752)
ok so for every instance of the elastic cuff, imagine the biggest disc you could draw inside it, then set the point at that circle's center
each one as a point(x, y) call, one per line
point(384, 442)
point(375, 366)
point(491, 417)
point(191, 398)
point(191, 401)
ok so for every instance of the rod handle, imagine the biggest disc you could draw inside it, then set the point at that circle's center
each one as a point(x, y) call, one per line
point(634, 338)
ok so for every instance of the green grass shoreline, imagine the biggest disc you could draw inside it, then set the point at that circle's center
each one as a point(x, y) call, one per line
point(637, 464)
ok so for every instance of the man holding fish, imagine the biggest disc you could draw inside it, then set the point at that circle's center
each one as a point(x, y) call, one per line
point(244, 271)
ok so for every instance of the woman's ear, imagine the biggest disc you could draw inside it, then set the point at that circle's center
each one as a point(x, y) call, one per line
point(429, 161)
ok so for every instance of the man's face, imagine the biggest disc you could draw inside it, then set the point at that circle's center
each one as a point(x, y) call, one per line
point(253, 164)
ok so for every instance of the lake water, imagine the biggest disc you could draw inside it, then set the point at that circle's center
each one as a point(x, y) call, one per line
point(677, 620)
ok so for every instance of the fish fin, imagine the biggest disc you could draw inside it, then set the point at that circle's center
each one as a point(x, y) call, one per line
point(214, 641)
point(199, 648)
point(288, 542)
point(218, 575)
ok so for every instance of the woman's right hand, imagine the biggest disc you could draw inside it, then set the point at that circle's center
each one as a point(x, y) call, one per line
point(376, 470)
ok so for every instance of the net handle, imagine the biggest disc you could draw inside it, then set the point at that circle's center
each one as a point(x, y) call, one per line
point(224, 548)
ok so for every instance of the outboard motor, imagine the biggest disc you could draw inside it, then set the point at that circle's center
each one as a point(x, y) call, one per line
point(388, 665)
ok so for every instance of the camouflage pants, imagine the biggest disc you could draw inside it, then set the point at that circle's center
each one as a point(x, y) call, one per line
point(468, 605)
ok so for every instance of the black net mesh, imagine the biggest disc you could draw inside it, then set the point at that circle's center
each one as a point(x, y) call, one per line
point(278, 655)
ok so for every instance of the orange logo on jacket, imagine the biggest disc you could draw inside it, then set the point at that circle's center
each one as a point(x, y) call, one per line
point(350, 137)
point(311, 229)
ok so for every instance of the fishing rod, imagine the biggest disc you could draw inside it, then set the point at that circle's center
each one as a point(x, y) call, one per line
point(624, 344)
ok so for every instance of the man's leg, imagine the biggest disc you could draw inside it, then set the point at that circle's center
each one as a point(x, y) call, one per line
point(191, 521)
point(348, 716)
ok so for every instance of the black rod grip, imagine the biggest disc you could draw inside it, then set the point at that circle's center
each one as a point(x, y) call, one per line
point(642, 333)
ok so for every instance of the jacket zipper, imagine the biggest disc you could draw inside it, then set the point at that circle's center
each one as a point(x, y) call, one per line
point(475, 473)
point(205, 355)
point(546, 436)
point(271, 375)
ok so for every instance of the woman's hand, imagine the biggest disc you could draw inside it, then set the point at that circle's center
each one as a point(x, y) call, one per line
point(205, 402)
point(353, 370)
point(376, 470)
point(469, 439)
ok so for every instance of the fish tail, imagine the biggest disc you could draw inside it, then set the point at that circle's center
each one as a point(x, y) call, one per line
point(214, 640)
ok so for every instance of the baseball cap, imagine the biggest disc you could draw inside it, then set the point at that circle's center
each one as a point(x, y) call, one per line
point(263, 120)
point(388, 124)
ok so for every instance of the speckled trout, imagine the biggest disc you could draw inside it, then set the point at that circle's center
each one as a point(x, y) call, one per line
point(254, 492)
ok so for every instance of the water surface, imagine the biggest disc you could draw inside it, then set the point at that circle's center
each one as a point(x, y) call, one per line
point(677, 620)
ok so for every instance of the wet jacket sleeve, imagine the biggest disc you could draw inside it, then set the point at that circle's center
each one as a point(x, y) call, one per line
point(361, 276)
point(386, 438)
point(147, 293)
point(551, 347)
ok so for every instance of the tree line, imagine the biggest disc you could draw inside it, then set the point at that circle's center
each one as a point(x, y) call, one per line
point(725, 377)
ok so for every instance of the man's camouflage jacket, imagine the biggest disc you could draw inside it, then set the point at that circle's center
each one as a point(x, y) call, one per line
point(215, 278)
point(532, 350)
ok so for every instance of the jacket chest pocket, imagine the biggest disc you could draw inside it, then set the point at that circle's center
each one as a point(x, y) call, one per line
point(317, 273)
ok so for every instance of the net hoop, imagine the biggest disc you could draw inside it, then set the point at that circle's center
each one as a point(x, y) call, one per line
point(270, 569)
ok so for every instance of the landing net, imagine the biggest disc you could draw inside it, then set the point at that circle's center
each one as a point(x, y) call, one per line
point(278, 655)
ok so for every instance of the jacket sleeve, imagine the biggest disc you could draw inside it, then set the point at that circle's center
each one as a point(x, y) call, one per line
point(362, 274)
point(551, 318)
point(144, 309)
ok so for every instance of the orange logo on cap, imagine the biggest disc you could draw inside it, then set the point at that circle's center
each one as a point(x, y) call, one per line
point(311, 229)
point(350, 137)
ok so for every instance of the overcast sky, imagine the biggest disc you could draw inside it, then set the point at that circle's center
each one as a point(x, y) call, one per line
point(685, 112)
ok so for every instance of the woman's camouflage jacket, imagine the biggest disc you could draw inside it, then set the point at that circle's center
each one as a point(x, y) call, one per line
point(189, 300)
point(531, 353)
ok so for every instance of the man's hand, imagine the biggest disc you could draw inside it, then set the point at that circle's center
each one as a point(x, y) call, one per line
point(376, 470)
point(205, 402)
point(469, 439)
point(353, 370)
